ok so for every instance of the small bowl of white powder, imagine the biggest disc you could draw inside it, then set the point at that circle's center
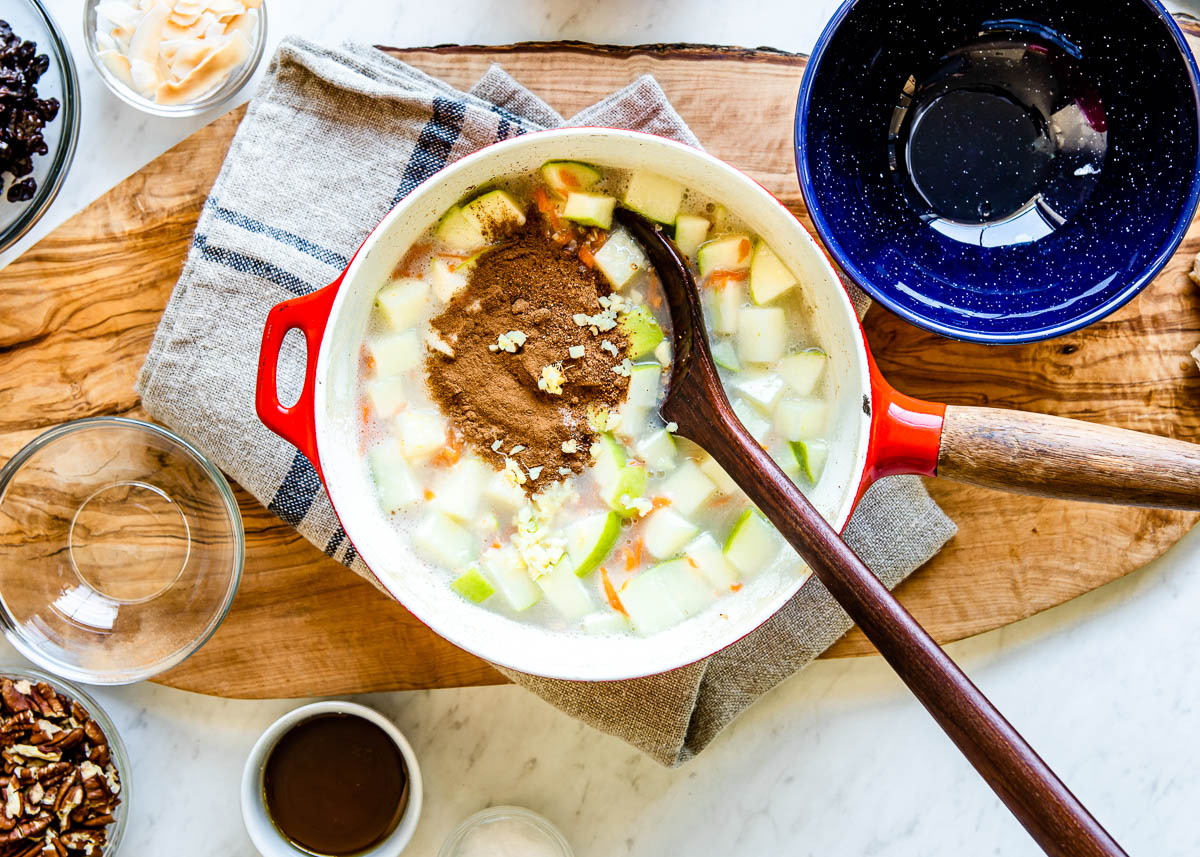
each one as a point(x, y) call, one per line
point(506, 831)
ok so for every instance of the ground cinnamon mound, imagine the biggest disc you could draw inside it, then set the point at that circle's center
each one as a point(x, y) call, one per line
point(535, 285)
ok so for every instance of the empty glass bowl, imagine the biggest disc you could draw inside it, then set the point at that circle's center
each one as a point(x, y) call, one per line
point(506, 830)
point(121, 549)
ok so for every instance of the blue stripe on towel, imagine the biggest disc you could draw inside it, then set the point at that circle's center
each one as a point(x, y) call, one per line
point(250, 265)
point(295, 496)
point(329, 257)
point(334, 543)
point(433, 145)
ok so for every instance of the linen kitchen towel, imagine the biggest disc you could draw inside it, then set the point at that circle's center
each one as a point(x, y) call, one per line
point(332, 140)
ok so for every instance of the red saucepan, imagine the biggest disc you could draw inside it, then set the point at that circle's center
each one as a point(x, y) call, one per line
point(877, 430)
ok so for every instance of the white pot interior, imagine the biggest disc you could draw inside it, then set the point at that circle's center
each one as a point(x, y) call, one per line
point(423, 589)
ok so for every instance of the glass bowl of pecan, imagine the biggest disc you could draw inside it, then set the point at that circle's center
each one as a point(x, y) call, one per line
point(63, 784)
point(39, 115)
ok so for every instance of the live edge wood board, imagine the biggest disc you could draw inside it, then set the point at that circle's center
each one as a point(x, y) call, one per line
point(77, 313)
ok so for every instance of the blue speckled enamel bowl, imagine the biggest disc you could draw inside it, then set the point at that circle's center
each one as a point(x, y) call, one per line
point(1134, 215)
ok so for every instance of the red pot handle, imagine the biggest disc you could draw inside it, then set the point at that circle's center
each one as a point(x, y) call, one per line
point(308, 314)
point(906, 433)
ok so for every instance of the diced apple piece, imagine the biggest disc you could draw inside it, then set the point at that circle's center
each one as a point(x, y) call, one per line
point(610, 622)
point(725, 356)
point(802, 370)
point(801, 419)
point(728, 253)
point(725, 305)
point(782, 453)
point(666, 531)
point(502, 493)
point(649, 605)
point(641, 330)
point(644, 382)
point(687, 488)
point(439, 540)
point(590, 209)
point(620, 258)
point(762, 334)
point(752, 542)
point(394, 481)
point(401, 303)
point(658, 451)
point(493, 213)
point(386, 395)
point(457, 491)
point(473, 586)
point(609, 457)
point(762, 389)
point(690, 232)
point(811, 456)
point(395, 353)
point(458, 233)
point(564, 177)
point(758, 427)
point(421, 433)
point(769, 277)
point(706, 557)
point(505, 569)
point(591, 540)
point(629, 485)
point(653, 195)
point(665, 595)
point(565, 591)
point(447, 278)
point(714, 471)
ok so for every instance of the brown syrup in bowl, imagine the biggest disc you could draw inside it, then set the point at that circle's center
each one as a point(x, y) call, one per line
point(335, 784)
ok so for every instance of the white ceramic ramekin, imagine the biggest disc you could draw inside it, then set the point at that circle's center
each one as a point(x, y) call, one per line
point(263, 833)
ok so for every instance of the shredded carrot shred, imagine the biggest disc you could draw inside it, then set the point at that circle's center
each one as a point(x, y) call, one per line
point(692, 562)
point(610, 593)
point(547, 207)
point(451, 452)
point(586, 256)
point(633, 555)
point(719, 279)
point(429, 495)
point(734, 587)
point(660, 502)
point(743, 249)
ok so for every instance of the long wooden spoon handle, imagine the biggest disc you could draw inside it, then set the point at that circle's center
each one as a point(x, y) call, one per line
point(1052, 815)
point(1056, 457)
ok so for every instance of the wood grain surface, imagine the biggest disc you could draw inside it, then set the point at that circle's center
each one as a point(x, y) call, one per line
point(77, 313)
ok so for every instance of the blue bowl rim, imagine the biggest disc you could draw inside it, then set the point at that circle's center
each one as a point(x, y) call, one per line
point(1131, 290)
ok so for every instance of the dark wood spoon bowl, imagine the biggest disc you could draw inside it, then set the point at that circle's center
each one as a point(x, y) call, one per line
point(696, 401)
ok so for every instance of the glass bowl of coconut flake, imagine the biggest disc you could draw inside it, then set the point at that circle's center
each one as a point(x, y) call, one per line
point(175, 57)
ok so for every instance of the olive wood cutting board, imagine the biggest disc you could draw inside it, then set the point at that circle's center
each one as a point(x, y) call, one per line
point(78, 310)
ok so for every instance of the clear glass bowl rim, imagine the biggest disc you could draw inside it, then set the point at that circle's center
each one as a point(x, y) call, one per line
point(116, 747)
point(69, 114)
point(12, 629)
point(504, 811)
point(215, 98)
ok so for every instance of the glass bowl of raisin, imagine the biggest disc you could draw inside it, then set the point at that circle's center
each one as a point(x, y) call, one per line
point(39, 115)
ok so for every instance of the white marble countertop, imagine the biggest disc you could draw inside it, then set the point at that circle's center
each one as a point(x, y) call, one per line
point(838, 761)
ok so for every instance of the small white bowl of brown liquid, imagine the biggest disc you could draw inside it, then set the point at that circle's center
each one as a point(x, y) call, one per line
point(331, 779)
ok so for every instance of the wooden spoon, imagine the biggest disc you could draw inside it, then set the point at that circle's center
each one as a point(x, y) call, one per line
point(695, 400)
